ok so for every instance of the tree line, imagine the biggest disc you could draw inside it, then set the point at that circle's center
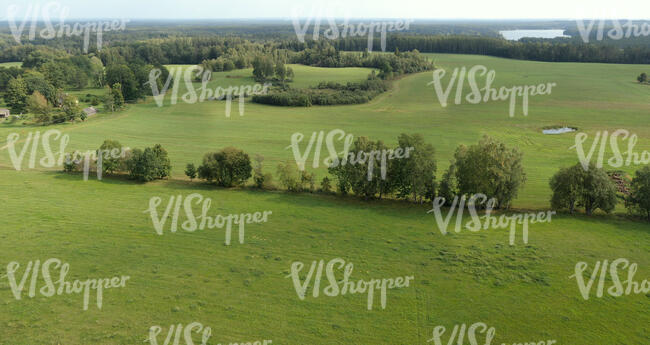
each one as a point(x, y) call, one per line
point(368, 176)
point(592, 188)
point(536, 49)
point(326, 93)
point(488, 167)
point(146, 165)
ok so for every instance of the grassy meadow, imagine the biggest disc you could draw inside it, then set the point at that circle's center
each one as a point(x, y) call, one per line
point(241, 291)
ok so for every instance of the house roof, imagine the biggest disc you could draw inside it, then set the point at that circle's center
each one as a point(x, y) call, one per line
point(90, 110)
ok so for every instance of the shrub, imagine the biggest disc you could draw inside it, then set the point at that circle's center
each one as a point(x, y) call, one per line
point(111, 156)
point(326, 185)
point(259, 176)
point(307, 179)
point(489, 168)
point(638, 202)
point(190, 171)
point(148, 165)
point(574, 187)
point(268, 182)
point(416, 173)
point(448, 188)
point(228, 167)
point(288, 176)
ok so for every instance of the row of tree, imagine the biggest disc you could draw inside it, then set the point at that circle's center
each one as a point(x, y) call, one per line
point(324, 54)
point(326, 93)
point(487, 167)
point(591, 188)
point(146, 165)
point(534, 49)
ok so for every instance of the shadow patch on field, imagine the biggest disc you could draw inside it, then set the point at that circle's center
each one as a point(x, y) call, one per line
point(108, 179)
point(499, 264)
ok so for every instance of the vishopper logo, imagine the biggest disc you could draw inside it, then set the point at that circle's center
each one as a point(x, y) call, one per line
point(346, 29)
point(617, 160)
point(487, 221)
point(618, 288)
point(460, 331)
point(179, 334)
point(50, 288)
point(487, 93)
point(35, 140)
point(616, 31)
point(199, 222)
point(205, 93)
point(344, 286)
point(374, 158)
point(175, 332)
point(35, 13)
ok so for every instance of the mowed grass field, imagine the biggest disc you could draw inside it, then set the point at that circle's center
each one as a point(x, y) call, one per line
point(305, 76)
point(11, 64)
point(241, 291)
point(592, 97)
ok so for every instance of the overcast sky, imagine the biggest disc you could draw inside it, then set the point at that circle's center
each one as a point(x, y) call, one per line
point(285, 9)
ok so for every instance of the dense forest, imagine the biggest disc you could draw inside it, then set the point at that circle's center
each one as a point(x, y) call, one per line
point(159, 42)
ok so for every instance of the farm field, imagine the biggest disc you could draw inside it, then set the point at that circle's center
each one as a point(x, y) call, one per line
point(242, 291)
point(11, 64)
point(591, 97)
point(305, 76)
point(524, 291)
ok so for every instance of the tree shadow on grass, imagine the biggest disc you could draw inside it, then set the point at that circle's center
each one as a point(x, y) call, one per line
point(397, 208)
point(108, 179)
point(386, 207)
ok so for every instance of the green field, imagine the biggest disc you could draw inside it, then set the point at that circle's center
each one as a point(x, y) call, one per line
point(613, 101)
point(11, 64)
point(305, 76)
point(524, 291)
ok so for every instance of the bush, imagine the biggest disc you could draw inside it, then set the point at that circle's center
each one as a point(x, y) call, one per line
point(190, 171)
point(489, 168)
point(574, 187)
point(148, 165)
point(288, 175)
point(638, 202)
point(307, 179)
point(448, 188)
point(228, 167)
point(268, 182)
point(111, 155)
point(326, 185)
point(259, 176)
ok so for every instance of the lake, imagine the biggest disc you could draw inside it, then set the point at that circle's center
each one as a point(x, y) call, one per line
point(515, 35)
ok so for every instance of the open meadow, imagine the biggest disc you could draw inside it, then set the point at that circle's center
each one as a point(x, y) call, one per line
point(243, 292)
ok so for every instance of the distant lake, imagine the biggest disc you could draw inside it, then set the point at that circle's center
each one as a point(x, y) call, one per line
point(515, 35)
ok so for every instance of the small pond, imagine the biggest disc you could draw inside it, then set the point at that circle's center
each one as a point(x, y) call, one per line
point(561, 130)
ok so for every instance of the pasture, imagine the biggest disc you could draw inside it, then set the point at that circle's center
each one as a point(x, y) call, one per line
point(524, 291)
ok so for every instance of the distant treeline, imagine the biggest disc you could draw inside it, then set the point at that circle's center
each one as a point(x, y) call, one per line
point(175, 44)
point(532, 49)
